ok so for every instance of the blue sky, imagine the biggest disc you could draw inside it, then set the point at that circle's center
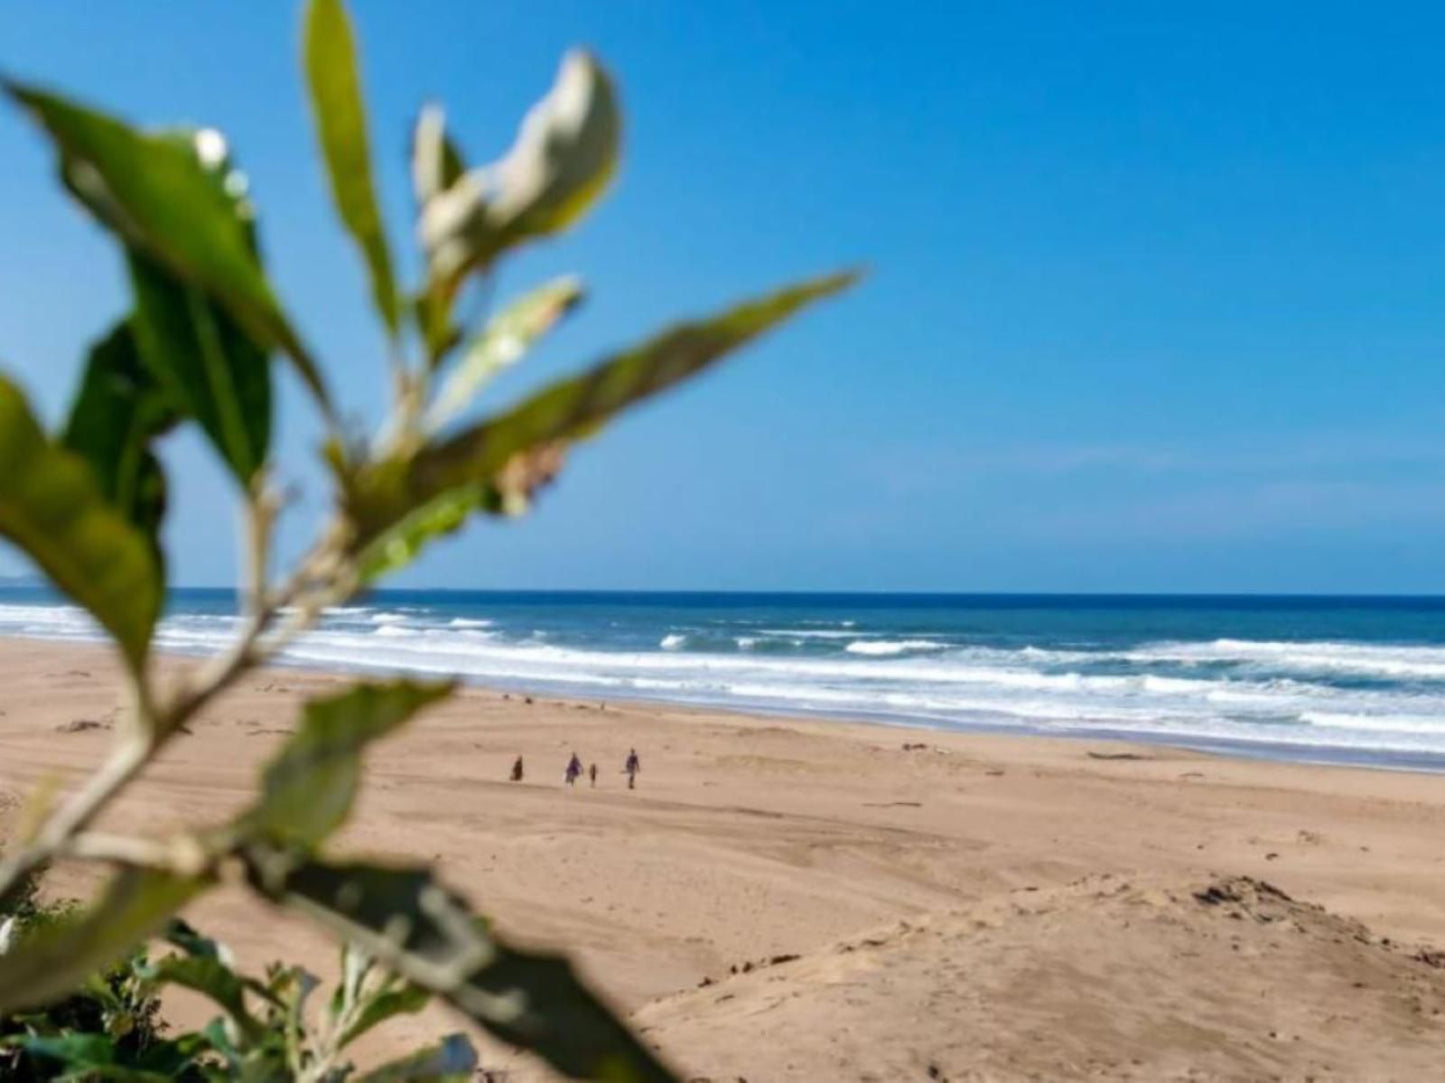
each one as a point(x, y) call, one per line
point(1157, 298)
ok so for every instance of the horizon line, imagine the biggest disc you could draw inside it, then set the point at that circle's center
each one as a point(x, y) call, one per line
point(877, 593)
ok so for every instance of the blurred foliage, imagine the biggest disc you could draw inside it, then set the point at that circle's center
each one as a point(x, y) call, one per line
point(268, 1029)
point(195, 348)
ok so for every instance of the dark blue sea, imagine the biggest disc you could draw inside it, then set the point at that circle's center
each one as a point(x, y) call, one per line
point(1308, 678)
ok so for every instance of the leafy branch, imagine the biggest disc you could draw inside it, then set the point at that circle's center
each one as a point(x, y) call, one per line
point(196, 348)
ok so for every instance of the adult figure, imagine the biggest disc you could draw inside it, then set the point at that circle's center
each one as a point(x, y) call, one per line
point(634, 765)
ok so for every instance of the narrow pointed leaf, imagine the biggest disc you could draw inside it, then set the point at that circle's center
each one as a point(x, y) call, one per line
point(51, 506)
point(436, 163)
point(57, 959)
point(403, 542)
point(209, 366)
point(564, 155)
point(501, 343)
point(499, 461)
point(118, 413)
point(335, 83)
point(309, 788)
point(356, 967)
point(157, 195)
point(418, 928)
point(571, 409)
point(408, 999)
point(451, 1059)
point(510, 492)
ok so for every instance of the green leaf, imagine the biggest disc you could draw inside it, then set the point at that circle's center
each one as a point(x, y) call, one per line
point(180, 934)
point(89, 1058)
point(157, 194)
point(436, 165)
point(335, 83)
point(84, 1057)
point(210, 368)
point(575, 408)
point(215, 1036)
point(451, 1059)
point(403, 542)
point(213, 979)
point(55, 960)
point(421, 930)
point(406, 1000)
point(497, 463)
point(308, 789)
point(118, 413)
point(83, 1050)
point(564, 155)
point(51, 507)
point(506, 338)
point(356, 967)
point(360, 1003)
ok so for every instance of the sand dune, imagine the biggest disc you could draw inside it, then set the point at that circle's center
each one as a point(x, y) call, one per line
point(1143, 979)
point(753, 838)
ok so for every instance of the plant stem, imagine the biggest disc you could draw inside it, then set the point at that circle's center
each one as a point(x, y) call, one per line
point(77, 812)
point(260, 515)
point(155, 726)
point(118, 849)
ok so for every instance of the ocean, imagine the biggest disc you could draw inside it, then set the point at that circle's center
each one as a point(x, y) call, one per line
point(1321, 679)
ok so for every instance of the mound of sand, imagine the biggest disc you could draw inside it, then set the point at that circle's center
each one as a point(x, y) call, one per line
point(1226, 978)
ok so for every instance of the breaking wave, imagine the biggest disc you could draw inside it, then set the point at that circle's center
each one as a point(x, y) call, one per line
point(1300, 695)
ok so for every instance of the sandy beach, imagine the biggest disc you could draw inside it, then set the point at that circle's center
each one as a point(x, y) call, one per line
point(808, 900)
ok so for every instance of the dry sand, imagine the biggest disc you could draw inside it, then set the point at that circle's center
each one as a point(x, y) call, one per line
point(975, 907)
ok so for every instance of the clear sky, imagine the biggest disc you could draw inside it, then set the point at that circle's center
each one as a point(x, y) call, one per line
point(1157, 298)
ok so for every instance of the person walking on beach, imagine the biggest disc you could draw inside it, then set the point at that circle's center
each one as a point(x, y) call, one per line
point(517, 770)
point(633, 766)
point(574, 769)
point(592, 775)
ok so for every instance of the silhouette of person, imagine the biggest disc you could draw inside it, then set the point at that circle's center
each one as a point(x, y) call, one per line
point(517, 770)
point(574, 769)
point(634, 765)
point(592, 774)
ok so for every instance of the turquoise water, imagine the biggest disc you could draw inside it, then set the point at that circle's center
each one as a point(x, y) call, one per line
point(1333, 679)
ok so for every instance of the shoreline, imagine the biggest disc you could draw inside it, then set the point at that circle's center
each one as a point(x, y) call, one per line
point(754, 837)
point(1283, 752)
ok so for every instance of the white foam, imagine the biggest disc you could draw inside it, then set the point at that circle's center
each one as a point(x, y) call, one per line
point(1365, 659)
point(1389, 723)
point(1238, 690)
point(893, 646)
point(810, 633)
